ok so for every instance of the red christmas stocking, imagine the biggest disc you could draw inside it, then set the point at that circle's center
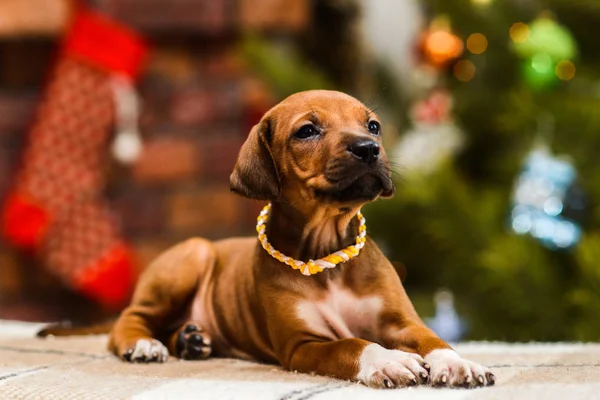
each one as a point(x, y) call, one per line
point(56, 208)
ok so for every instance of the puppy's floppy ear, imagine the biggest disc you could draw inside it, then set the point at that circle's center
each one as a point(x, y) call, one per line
point(255, 175)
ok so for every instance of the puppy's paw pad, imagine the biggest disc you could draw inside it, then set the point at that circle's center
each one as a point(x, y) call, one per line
point(127, 355)
point(449, 369)
point(383, 368)
point(145, 351)
point(193, 343)
point(491, 379)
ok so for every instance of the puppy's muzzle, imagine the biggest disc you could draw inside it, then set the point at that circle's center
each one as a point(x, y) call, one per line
point(359, 175)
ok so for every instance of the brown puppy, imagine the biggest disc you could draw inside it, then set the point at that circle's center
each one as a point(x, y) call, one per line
point(317, 157)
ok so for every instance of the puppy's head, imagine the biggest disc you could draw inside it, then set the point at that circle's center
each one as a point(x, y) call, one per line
point(315, 148)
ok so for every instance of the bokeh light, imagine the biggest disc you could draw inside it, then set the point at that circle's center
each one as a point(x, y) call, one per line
point(464, 70)
point(482, 2)
point(442, 45)
point(519, 32)
point(545, 35)
point(565, 70)
point(477, 43)
point(541, 62)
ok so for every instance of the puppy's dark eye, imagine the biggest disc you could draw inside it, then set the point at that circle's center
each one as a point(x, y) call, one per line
point(307, 131)
point(374, 127)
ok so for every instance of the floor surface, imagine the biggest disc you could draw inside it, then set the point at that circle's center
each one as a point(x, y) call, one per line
point(80, 368)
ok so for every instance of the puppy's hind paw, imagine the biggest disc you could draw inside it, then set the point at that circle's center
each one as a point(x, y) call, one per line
point(193, 343)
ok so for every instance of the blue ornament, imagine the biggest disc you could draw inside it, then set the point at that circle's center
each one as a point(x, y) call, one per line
point(545, 188)
point(446, 322)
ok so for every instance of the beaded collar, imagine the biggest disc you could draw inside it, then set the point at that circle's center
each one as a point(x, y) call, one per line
point(312, 266)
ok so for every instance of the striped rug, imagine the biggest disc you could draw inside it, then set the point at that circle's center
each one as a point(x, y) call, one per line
point(80, 368)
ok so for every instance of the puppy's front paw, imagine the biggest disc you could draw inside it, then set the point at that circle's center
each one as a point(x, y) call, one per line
point(146, 350)
point(449, 369)
point(383, 368)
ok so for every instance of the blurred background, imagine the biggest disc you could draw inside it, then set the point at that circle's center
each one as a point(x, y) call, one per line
point(491, 113)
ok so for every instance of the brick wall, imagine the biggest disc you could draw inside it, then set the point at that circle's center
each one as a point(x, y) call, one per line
point(197, 111)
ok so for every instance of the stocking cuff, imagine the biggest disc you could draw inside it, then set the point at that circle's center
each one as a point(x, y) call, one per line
point(104, 43)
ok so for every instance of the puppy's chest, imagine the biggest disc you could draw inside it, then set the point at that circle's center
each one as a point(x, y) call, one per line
point(341, 314)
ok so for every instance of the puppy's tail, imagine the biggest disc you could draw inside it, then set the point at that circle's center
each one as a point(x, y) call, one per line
point(67, 329)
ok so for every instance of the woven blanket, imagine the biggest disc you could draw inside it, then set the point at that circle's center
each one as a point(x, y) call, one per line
point(80, 368)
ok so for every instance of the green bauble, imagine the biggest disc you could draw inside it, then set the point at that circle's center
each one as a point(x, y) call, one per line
point(548, 37)
point(539, 71)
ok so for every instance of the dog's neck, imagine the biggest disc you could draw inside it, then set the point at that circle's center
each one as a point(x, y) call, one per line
point(310, 235)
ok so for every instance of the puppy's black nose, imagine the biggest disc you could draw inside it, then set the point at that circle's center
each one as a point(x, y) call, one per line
point(365, 150)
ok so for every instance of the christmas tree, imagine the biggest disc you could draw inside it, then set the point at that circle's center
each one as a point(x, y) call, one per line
point(492, 139)
point(498, 155)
